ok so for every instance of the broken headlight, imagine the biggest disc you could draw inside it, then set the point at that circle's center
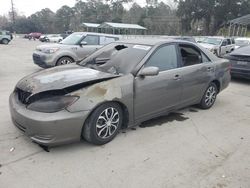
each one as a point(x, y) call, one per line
point(52, 104)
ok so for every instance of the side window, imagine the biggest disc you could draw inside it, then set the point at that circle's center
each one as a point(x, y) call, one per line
point(205, 58)
point(228, 41)
point(233, 41)
point(106, 40)
point(1, 32)
point(91, 40)
point(165, 58)
point(224, 42)
point(190, 55)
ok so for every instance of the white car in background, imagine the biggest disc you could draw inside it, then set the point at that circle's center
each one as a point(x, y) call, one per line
point(241, 42)
point(53, 38)
point(218, 45)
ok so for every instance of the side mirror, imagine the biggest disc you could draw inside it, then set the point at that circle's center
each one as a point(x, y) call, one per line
point(83, 43)
point(149, 71)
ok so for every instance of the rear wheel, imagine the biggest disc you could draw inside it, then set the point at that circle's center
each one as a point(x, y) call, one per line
point(64, 61)
point(209, 96)
point(5, 41)
point(103, 124)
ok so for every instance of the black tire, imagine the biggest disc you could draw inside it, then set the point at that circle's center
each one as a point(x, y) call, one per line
point(209, 96)
point(64, 61)
point(96, 135)
point(5, 41)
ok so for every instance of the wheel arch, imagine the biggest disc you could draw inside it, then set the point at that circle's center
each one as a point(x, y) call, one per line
point(218, 85)
point(5, 39)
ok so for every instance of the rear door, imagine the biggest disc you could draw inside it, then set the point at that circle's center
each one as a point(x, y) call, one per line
point(92, 44)
point(196, 72)
point(155, 94)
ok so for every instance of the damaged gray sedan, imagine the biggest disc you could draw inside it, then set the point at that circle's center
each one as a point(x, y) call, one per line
point(121, 85)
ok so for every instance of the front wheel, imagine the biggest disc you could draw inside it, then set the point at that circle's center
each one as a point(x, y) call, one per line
point(5, 41)
point(209, 96)
point(64, 61)
point(103, 124)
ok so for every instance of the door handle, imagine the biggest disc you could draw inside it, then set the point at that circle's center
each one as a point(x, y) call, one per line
point(177, 77)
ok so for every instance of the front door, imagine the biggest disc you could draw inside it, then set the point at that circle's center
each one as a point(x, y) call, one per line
point(155, 94)
point(92, 44)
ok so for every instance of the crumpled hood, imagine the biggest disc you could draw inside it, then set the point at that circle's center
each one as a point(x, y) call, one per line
point(60, 77)
point(208, 46)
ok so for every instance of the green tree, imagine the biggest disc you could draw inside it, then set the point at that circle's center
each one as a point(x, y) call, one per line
point(212, 13)
point(63, 18)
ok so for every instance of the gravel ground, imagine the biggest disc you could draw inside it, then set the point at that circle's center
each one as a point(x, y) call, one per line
point(188, 149)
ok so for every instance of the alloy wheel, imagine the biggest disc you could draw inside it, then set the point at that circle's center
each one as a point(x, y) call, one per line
point(65, 61)
point(107, 123)
point(210, 96)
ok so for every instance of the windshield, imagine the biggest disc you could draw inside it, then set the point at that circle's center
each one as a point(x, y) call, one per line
point(214, 41)
point(241, 42)
point(72, 39)
point(116, 58)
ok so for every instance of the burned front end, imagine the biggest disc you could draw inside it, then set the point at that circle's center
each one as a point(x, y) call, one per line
point(48, 124)
point(49, 106)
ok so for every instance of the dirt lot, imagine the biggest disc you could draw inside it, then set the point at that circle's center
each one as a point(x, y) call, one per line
point(191, 148)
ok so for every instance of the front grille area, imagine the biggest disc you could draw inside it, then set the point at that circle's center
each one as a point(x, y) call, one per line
point(38, 60)
point(22, 95)
point(240, 58)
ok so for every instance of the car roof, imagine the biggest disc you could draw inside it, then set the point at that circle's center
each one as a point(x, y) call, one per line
point(99, 34)
point(217, 37)
point(153, 41)
point(242, 38)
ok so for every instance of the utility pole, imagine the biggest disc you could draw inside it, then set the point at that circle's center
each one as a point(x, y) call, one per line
point(13, 15)
point(13, 11)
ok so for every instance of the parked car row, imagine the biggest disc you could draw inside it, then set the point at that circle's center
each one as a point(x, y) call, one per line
point(80, 44)
point(48, 37)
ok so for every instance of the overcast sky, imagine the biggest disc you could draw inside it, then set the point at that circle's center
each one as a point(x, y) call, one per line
point(28, 7)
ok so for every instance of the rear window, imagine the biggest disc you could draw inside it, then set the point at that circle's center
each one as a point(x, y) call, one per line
point(106, 40)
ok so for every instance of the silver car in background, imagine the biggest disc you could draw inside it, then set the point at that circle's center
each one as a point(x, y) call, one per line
point(121, 85)
point(219, 46)
point(73, 48)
